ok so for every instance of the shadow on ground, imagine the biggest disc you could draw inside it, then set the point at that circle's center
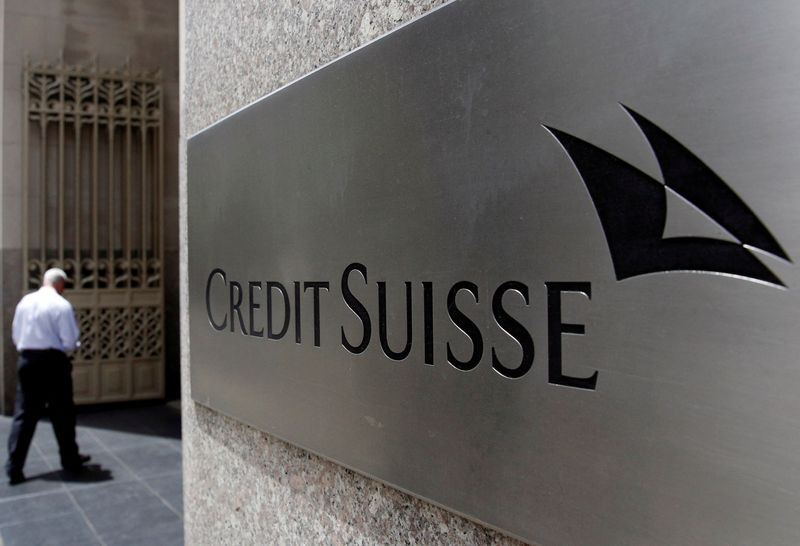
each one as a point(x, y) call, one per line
point(160, 420)
point(91, 473)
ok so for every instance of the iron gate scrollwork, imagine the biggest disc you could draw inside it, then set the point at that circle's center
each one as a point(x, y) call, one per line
point(93, 174)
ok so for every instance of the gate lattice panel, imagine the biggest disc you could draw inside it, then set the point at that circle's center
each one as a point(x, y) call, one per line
point(93, 185)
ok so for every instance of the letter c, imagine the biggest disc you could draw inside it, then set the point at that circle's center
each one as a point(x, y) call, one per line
point(218, 327)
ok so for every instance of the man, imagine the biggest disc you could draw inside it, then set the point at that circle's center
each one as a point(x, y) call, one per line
point(44, 330)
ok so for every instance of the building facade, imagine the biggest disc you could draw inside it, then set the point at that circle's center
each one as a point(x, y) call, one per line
point(89, 162)
point(528, 149)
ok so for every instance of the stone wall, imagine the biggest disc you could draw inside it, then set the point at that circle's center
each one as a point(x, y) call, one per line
point(142, 32)
point(242, 486)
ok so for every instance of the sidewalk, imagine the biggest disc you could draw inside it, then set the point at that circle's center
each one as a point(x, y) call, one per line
point(130, 494)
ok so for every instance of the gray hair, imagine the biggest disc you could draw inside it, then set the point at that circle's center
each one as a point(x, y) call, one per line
point(52, 276)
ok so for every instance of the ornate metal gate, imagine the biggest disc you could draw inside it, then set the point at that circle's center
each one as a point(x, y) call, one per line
point(93, 179)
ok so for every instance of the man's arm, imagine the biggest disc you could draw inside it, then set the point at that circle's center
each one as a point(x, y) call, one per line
point(68, 328)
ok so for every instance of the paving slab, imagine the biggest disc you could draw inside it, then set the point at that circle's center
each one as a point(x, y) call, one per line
point(127, 512)
point(64, 530)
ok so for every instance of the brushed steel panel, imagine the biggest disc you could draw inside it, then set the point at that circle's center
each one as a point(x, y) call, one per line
point(424, 157)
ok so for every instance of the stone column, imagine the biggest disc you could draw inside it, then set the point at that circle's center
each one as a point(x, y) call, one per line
point(242, 486)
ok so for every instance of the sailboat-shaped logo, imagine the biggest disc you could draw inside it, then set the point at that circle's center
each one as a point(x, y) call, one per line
point(632, 207)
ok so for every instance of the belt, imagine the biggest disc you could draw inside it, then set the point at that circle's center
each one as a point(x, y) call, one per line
point(34, 352)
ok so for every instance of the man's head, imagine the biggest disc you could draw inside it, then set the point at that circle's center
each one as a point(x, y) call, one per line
point(56, 278)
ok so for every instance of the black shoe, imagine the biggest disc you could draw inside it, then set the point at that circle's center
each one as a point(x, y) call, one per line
point(77, 465)
point(15, 478)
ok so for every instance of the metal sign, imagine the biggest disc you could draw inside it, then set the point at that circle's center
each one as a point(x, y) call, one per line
point(529, 261)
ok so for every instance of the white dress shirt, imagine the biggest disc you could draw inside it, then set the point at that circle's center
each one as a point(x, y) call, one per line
point(45, 320)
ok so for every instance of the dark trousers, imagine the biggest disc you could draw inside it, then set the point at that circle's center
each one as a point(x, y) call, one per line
point(44, 386)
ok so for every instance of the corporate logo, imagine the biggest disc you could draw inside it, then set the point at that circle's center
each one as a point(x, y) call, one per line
point(632, 207)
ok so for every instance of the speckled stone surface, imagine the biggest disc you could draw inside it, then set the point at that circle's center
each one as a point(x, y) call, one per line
point(241, 485)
